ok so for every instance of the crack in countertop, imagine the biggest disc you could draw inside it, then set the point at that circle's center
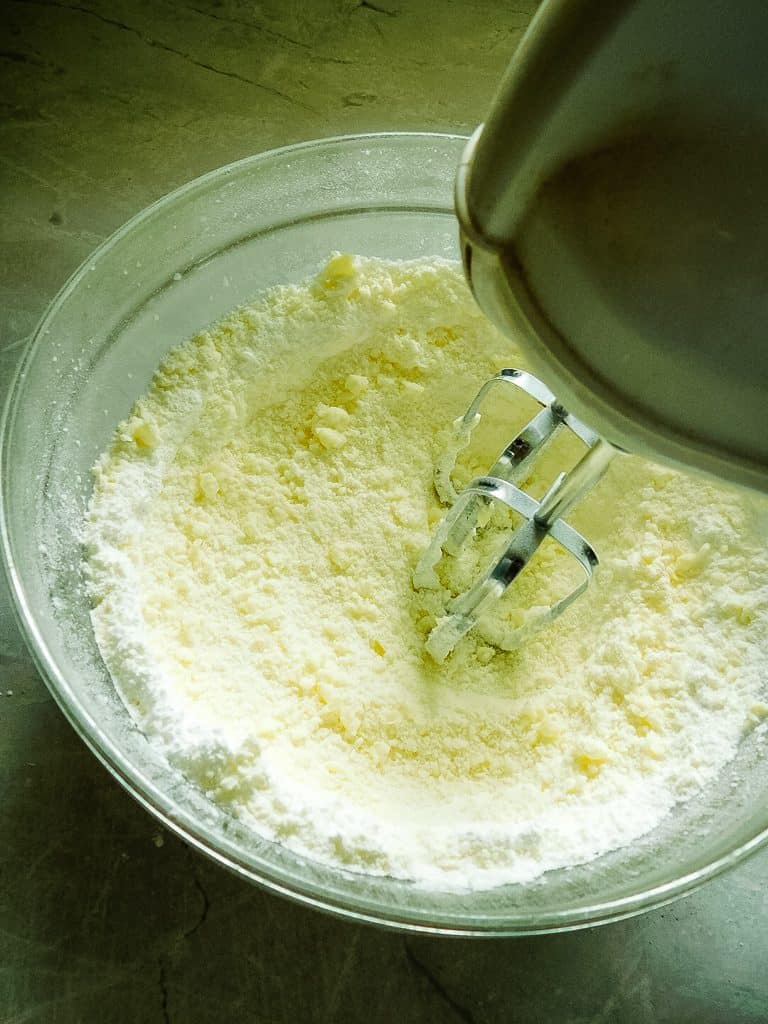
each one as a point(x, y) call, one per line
point(460, 1012)
point(157, 44)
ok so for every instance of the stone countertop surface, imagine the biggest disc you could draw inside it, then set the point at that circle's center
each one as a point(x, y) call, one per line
point(103, 917)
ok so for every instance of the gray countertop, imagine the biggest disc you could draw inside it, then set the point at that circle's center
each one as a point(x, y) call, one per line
point(105, 107)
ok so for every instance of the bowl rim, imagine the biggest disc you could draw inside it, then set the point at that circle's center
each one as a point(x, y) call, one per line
point(591, 913)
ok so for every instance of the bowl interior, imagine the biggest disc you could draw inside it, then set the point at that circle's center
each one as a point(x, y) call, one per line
point(175, 268)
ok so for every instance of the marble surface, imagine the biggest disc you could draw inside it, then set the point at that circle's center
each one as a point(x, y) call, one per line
point(103, 108)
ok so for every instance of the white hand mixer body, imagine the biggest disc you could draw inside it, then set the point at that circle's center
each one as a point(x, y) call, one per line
point(614, 221)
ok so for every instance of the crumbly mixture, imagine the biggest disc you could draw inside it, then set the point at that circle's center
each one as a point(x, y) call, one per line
point(250, 544)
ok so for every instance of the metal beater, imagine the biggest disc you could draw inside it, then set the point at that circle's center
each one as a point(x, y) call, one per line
point(541, 519)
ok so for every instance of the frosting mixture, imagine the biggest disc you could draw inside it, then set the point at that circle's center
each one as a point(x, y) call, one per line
point(250, 544)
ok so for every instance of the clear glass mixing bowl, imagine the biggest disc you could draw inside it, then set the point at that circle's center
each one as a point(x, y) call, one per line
point(174, 268)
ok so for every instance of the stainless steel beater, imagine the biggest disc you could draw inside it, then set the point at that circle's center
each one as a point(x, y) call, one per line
point(541, 519)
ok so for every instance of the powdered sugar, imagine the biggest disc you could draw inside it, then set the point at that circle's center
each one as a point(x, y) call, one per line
point(250, 544)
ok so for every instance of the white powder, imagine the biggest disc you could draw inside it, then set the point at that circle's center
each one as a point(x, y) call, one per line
point(251, 540)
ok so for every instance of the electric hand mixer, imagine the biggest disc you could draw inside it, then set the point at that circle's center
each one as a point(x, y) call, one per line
point(614, 220)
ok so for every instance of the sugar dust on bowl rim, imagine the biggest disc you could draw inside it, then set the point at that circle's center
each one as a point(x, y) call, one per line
point(219, 245)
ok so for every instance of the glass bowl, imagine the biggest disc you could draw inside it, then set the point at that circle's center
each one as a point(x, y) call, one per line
point(182, 263)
